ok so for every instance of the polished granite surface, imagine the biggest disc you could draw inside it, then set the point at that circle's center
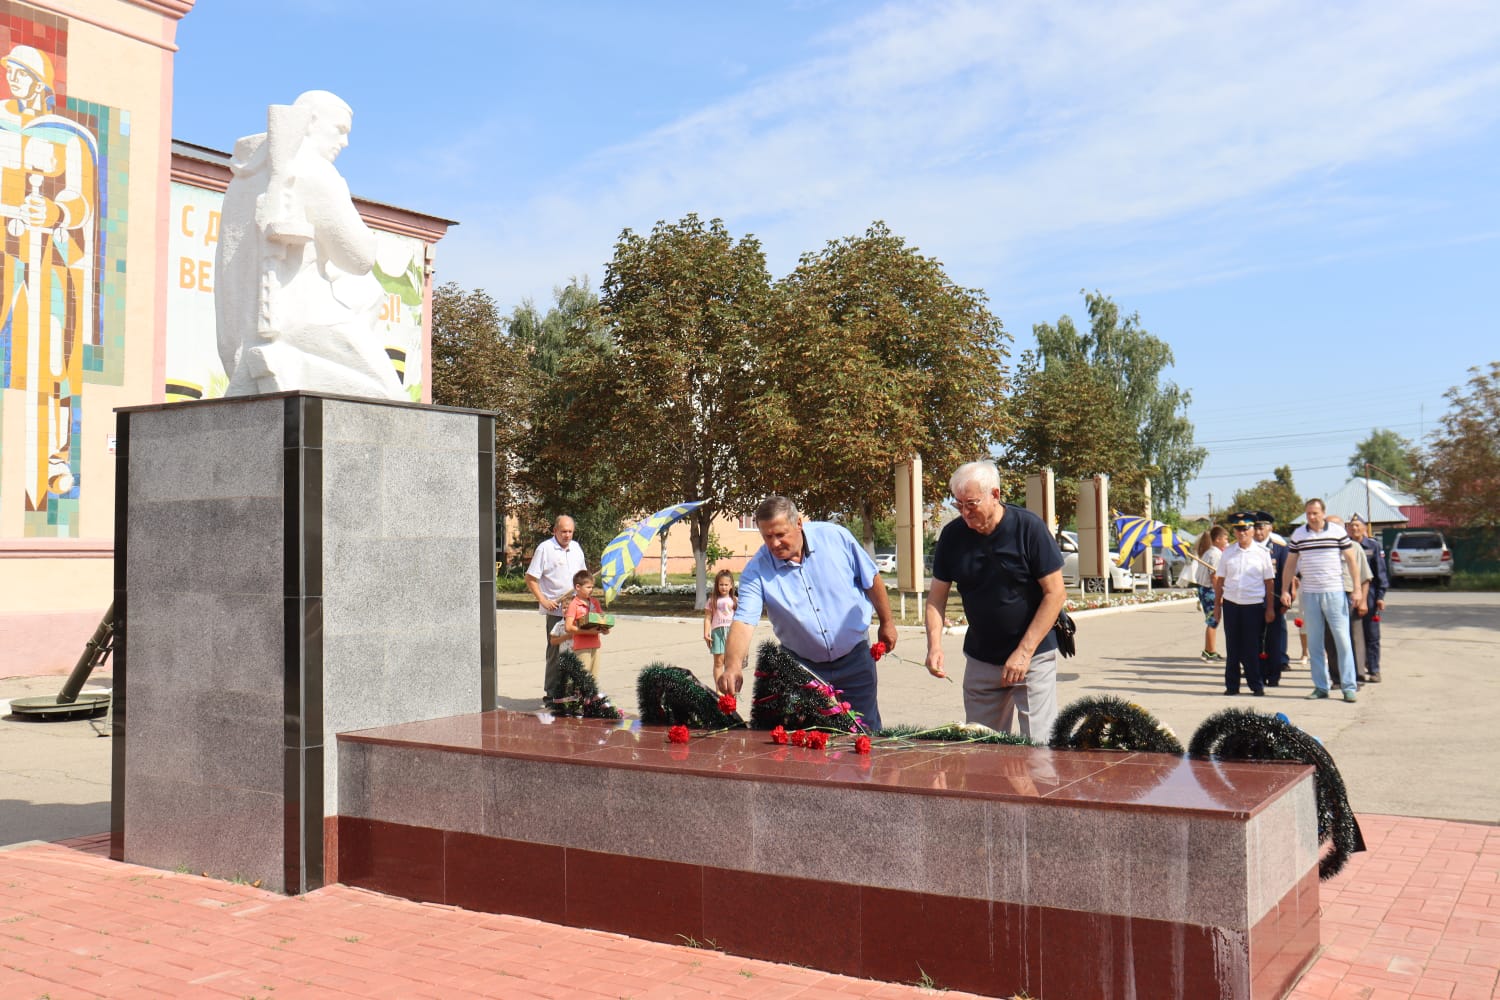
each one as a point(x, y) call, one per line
point(1078, 778)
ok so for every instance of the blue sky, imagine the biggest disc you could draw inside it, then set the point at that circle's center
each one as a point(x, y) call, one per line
point(1300, 199)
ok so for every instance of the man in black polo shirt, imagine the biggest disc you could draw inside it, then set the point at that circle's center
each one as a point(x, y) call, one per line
point(1009, 572)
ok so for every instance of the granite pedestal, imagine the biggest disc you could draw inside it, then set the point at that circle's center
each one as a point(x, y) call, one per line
point(999, 870)
point(287, 567)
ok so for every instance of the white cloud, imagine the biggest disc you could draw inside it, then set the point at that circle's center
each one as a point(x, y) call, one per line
point(981, 130)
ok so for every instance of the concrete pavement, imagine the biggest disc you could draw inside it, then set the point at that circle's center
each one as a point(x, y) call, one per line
point(1420, 744)
point(1418, 915)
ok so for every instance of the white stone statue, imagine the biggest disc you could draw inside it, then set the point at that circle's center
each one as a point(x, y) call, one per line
point(296, 302)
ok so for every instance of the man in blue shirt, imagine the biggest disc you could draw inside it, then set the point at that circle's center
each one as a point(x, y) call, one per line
point(819, 589)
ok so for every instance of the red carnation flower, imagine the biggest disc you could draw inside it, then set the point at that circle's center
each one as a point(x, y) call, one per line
point(817, 740)
point(799, 739)
point(678, 734)
point(1297, 622)
point(727, 704)
point(1374, 618)
point(1263, 656)
point(861, 744)
point(778, 735)
point(878, 650)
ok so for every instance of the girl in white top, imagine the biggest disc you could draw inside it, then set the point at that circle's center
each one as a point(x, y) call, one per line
point(718, 614)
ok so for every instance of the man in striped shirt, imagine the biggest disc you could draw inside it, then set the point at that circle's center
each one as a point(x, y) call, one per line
point(1317, 548)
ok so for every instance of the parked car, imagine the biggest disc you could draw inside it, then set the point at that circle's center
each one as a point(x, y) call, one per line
point(885, 562)
point(1420, 555)
point(1120, 577)
point(1166, 566)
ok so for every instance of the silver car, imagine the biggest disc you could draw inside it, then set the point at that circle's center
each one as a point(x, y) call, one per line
point(1120, 577)
point(1420, 555)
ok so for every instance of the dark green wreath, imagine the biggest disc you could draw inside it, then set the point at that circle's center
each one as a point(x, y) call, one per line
point(1104, 722)
point(672, 696)
point(785, 695)
point(579, 695)
point(952, 733)
point(1237, 734)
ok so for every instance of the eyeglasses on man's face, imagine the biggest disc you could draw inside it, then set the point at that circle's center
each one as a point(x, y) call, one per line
point(970, 506)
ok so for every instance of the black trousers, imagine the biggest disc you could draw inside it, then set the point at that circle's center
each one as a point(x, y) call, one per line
point(1273, 644)
point(1243, 626)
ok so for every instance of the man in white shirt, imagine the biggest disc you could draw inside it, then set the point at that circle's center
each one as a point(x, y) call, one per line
point(1318, 549)
point(1244, 586)
point(550, 580)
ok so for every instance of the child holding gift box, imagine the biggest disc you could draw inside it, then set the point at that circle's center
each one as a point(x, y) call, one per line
point(585, 637)
point(718, 614)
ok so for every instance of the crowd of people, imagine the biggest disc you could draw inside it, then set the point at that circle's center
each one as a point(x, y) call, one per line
point(819, 588)
point(1331, 579)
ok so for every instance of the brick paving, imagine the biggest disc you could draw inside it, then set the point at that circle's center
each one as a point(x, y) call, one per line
point(1417, 916)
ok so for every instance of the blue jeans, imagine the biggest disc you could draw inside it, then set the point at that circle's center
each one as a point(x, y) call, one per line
point(1331, 611)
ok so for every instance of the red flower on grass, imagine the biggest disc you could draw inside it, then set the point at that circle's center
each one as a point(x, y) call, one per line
point(817, 740)
point(878, 650)
point(728, 703)
point(778, 735)
point(678, 734)
point(861, 744)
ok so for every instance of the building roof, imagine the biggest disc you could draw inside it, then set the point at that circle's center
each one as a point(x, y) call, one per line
point(1371, 499)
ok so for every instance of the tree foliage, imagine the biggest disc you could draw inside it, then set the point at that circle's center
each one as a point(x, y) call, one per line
point(1459, 474)
point(684, 307)
point(873, 355)
point(1068, 416)
point(1276, 496)
point(1388, 456)
point(560, 475)
point(475, 364)
point(1132, 361)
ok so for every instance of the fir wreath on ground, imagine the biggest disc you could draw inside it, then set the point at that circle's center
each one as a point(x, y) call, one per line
point(580, 696)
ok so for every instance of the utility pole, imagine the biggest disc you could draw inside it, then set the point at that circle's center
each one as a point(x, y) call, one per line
point(1367, 493)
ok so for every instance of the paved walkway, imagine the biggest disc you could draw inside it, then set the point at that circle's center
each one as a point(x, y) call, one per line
point(1418, 915)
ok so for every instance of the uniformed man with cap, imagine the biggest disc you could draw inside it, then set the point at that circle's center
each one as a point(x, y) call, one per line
point(1243, 599)
point(1273, 641)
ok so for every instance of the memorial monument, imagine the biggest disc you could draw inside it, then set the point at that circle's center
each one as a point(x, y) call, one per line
point(297, 303)
point(308, 555)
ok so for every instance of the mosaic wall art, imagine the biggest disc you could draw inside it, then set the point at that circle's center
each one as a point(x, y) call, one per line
point(64, 175)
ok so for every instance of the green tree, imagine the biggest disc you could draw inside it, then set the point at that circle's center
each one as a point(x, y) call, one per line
point(1459, 474)
point(874, 355)
point(476, 365)
point(1276, 496)
point(564, 479)
point(685, 306)
point(1068, 416)
point(1133, 360)
point(1387, 456)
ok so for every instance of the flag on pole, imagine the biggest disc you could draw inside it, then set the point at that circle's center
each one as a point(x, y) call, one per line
point(1137, 534)
point(622, 555)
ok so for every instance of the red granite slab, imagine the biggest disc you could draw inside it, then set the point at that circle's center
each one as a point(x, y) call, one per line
point(496, 875)
point(641, 897)
point(1084, 778)
point(392, 858)
point(797, 920)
